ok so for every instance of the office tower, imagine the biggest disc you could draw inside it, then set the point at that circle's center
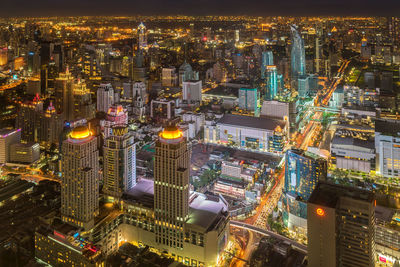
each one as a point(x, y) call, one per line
point(237, 36)
point(135, 90)
point(365, 50)
point(80, 178)
point(298, 58)
point(171, 187)
point(26, 153)
point(386, 81)
point(272, 82)
point(105, 97)
point(64, 88)
point(90, 64)
point(267, 59)
point(303, 171)
point(116, 115)
point(169, 77)
point(28, 119)
point(317, 54)
point(7, 138)
point(341, 226)
point(33, 87)
point(142, 37)
point(83, 107)
point(51, 127)
point(248, 99)
point(303, 86)
point(139, 59)
point(126, 66)
point(192, 91)
point(369, 79)
point(119, 162)
point(3, 56)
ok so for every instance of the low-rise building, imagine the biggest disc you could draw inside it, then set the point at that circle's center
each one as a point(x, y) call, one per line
point(24, 153)
point(246, 132)
point(63, 246)
point(353, 154)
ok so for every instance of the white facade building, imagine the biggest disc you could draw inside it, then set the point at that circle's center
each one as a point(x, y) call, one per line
point(8, 137)
point(245, 132)
point(387, 146)
point(80, 178)
point(192, 91)
point(105, 97)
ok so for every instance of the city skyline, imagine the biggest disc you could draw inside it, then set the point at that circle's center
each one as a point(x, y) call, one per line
point(206, 141)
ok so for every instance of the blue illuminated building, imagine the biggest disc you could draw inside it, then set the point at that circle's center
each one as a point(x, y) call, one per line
point(302, 173)
point(267, 59)
point(271, 83)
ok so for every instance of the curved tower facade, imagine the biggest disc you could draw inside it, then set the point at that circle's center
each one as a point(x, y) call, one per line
point(298, 56)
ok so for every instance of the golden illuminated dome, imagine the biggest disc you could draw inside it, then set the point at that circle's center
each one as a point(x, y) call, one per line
point(80, 132)
point(171, 132)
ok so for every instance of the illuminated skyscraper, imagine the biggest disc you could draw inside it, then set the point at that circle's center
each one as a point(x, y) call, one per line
point(119, 162)
point(28, 119)
point(298, 57)
point(267, 59)
point(80, 178)
point(142, 37)
point(341, 226)
point(302, 172)
point(171, 188)
point(272, 82)
point(64, 88)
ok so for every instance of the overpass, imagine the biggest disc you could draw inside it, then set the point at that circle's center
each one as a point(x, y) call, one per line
point(264, 232)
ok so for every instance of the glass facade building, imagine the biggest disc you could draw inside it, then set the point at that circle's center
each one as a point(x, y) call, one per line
point(302, 173)
point(267, 59)
point(272, 82)
point(298, 56)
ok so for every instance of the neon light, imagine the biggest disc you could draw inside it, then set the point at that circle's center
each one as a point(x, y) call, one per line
point(58, 234)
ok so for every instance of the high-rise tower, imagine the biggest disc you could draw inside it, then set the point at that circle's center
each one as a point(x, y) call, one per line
point(341, 226)
point(298, 56)
point(267, 59)
point(171, 187)
point(142, 38)
point(119, 162)
point(272, 82)
point(80, 178)
point(105, 97)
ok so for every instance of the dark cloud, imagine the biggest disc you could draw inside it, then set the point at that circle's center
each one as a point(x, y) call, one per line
point(199, 7)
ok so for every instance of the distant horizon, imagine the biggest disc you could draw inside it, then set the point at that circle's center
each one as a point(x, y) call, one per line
point(265, 8)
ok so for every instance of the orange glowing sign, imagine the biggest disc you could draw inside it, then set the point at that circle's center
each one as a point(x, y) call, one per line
point(320, 212)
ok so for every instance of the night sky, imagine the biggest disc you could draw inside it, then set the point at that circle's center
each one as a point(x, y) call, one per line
point(199, 7)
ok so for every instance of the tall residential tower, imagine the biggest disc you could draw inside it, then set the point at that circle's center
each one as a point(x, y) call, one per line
point(80, 178)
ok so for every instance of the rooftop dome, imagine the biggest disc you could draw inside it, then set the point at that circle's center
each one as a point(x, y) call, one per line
point(171, 132)
point(80, 132)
